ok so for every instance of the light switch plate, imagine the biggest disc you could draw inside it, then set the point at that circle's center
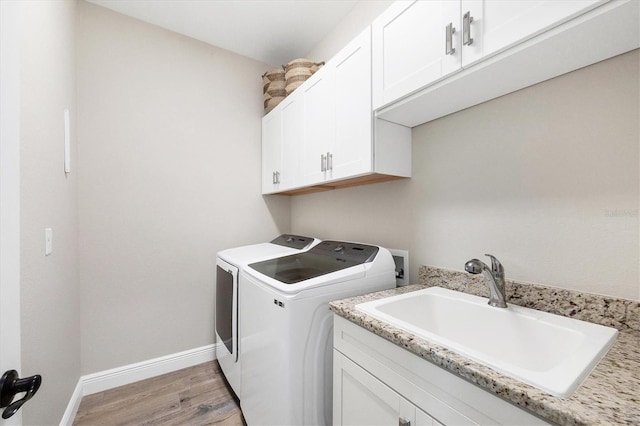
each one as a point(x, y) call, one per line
point(67, 142)
point(48, 241)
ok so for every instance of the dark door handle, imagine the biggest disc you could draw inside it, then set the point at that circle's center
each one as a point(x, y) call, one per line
point(11, 385)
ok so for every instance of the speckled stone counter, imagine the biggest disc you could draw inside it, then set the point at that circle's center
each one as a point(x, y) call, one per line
point(611, 393)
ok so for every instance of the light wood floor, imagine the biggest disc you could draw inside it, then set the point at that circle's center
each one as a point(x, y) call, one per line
point(195, 396)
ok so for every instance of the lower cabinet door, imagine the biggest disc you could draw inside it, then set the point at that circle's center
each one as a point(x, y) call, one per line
point(361, 399)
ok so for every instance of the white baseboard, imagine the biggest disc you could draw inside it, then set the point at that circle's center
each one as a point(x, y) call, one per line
point(109, 379)
point(72, 407)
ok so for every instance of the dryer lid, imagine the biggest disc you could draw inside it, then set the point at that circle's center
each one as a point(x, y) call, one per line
point(325, 258)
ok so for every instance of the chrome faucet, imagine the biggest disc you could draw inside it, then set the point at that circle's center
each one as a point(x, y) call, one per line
point(494, 278)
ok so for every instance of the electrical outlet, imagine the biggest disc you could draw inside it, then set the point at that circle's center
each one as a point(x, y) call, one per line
point(401, 259)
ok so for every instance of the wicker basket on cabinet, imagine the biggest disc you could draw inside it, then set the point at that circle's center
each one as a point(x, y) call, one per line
point(298, 71)
point(273, 88)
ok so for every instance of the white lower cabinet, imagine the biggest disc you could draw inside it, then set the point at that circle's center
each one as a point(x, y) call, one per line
point(365, 400)
point(378, 383)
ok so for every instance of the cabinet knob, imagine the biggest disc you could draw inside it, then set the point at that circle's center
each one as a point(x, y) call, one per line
point(403, 422)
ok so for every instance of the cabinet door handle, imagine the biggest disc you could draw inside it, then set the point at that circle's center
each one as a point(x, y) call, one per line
point(329, 161)
point(273, 178)
point(323, 163)
point(403, 422)
point(277, 177)
point(449, 32)
point(467, 19)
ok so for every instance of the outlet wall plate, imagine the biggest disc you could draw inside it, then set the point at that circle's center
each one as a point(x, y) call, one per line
point(401, 258)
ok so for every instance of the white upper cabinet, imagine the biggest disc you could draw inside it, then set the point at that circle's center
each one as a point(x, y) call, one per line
point(350, 123)
point(489, 26)
point(409, 47)
point(281, 141)
point(327, 134)
point(351, 153)
point(318, 124)
point(292, 136)
point(418, 43)
point(271, 150)
point(337, 116)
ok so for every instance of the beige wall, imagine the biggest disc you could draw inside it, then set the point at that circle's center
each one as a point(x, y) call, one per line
point(49, 285)
point(169, 173)
point(360, 16)
point(545, 178)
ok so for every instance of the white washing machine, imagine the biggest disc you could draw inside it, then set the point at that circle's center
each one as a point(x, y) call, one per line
point(286, 337)
point(229, 263)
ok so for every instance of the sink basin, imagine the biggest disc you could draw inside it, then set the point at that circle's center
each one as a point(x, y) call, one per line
point(550, 352)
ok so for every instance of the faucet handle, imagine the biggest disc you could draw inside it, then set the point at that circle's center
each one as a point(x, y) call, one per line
point(496, 266)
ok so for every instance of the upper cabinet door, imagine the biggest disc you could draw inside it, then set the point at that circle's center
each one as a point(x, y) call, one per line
point(318, 124)
point(271, 150)
point(494, 25)
point(292, 134)
point(409, 47)
point(351, 153)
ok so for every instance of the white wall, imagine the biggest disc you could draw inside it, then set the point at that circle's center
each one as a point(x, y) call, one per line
point(50, 314)
point(10, 40)
point(169, 165)
point(545, 178)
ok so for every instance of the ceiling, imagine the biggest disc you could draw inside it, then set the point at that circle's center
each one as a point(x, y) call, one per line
point(271, 31)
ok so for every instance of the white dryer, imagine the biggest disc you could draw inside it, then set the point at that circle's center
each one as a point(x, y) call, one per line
point(228, 265)
point(286, 340)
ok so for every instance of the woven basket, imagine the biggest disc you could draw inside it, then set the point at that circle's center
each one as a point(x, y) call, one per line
point(273, 87)
point(298, 71)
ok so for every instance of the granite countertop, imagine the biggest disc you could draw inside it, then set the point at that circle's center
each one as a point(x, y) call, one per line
point(609, 395)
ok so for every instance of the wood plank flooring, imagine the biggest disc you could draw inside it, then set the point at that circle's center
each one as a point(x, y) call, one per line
point(197, 395)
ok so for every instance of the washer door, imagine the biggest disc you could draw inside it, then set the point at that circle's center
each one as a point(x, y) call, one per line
point(227, 307)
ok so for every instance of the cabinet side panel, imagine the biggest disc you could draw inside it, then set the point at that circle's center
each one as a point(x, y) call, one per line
point(392, 154)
